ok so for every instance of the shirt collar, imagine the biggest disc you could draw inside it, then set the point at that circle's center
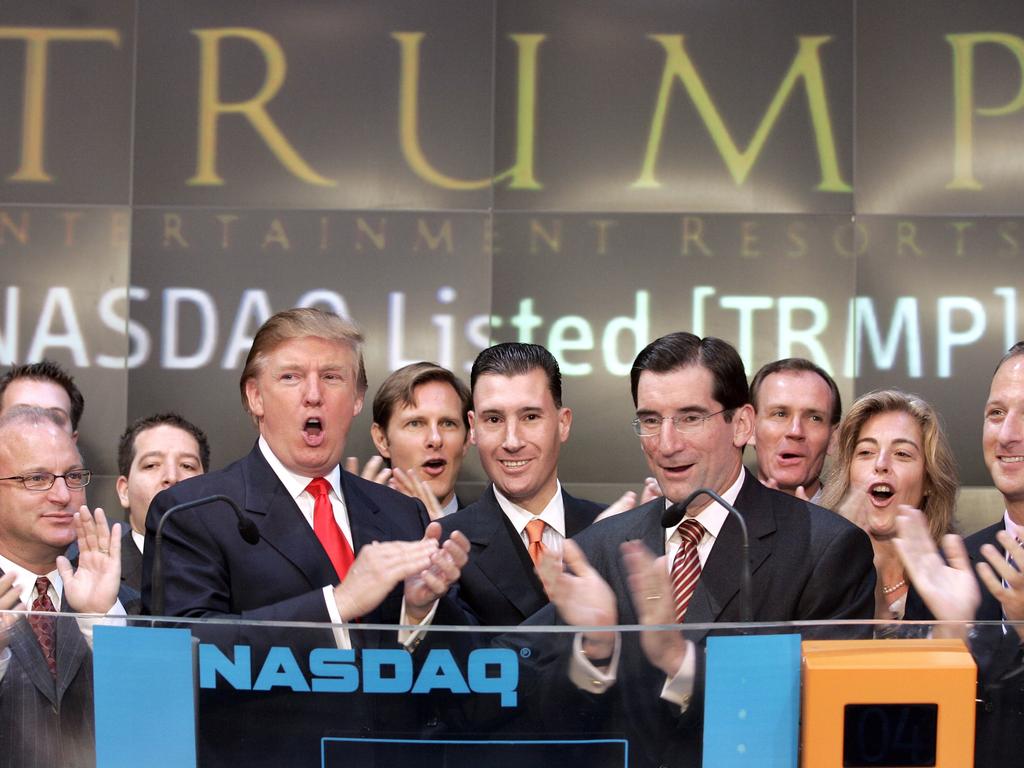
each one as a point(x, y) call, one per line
point(713, 516)
point(293, 483)
point(452, 506)
point(553, 514)
point(1012, 528)
point(26, 581)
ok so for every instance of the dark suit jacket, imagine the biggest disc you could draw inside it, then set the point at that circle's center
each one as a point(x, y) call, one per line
point(498, 585)
point(806, 563)
point(1000, 714)
point(131, 562)
point(211, 572)
point(46, 722)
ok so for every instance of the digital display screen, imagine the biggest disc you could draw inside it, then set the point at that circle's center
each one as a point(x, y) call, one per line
point(889, 735)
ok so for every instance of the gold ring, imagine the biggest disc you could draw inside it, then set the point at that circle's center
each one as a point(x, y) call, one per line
point(104, 551)
point(653, 597)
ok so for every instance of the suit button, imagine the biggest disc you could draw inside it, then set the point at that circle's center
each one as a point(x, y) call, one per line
point(989, 706)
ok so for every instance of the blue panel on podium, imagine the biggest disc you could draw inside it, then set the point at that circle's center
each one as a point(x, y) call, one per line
point(752, 701)
point(144, 697)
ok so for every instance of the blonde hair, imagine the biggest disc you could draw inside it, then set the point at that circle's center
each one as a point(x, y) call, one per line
point(298, 323)
point(941, 479)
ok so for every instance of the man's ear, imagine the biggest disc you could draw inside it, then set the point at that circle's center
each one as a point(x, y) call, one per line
point(254, 398)
point(122, 491)
point(564, 423)
point(472, 427)
point(380, 440)
point(742, 425)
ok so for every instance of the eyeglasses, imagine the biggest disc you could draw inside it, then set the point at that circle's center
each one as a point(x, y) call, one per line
point(43, 481)
point(686, 423)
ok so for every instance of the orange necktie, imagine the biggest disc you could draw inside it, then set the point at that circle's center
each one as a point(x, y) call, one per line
point(326, 527)
point(534, 533)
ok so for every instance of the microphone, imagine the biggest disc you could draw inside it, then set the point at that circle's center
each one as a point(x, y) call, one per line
point(672, 516)
point(246, 528)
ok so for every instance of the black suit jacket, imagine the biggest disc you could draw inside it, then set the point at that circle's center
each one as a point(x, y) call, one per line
point(131, 561)
point(498, 586)
point(46, 722)
point(806, 563)
point(1000, 714)
point(211, 572)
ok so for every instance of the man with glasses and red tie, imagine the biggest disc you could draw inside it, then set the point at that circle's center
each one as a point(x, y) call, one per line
point(693, 418)
point(46, 705)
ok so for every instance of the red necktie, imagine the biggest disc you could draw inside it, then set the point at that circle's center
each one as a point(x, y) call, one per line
point(45, 627)
point(686, 566)
point(326, 527)
point(534, 534)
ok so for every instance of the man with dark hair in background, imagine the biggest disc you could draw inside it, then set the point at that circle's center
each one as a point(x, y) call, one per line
point(46, 385)
point(421, 426)
point(693, 419)
point(518, 424)
point(796, 411)
point(154, 453)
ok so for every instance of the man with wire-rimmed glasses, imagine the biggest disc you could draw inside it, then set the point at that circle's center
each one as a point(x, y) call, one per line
point(693, 418)
point(46, 707)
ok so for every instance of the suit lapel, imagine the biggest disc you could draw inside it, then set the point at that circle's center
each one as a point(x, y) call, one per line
point(720, 577)
point(72, 650)
point(502, 558)
point(575, 518)
point(281, 523)
point(364, 517)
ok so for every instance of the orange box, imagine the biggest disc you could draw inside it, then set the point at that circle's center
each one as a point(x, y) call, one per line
point(886, 672)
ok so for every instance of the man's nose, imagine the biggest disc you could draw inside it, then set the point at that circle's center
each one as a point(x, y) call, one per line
point(796, 427)
point(59, 492)
point(512, 440)
point(434, 437)
point(313, 394)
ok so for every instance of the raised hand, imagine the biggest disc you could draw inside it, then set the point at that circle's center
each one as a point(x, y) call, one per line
point(10, 600)
point(1004, 581)
point(410, 483)
point(651, 591)
point(92, 587)
point(377, 569)
point(446, 564)
point(580, 595)
point(374, 469)
point(948, 587)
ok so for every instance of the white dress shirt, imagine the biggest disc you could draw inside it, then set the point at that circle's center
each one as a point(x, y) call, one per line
point(553, 515)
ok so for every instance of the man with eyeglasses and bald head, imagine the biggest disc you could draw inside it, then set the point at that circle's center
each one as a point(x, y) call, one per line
point(46, 705)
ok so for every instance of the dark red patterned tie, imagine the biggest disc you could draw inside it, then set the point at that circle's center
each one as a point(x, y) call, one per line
point(45, 627)
point(326, 527)
point(686, 566)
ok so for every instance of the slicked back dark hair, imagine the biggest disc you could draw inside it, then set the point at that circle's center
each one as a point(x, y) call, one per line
point(47, 370)
point(683, 349)
point(513, 358)
point(798, 365)
point(126, 446)
point(399, 389)
point(1016, 350)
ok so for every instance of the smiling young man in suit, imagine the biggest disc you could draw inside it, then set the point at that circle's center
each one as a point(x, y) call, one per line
point(518, 424)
